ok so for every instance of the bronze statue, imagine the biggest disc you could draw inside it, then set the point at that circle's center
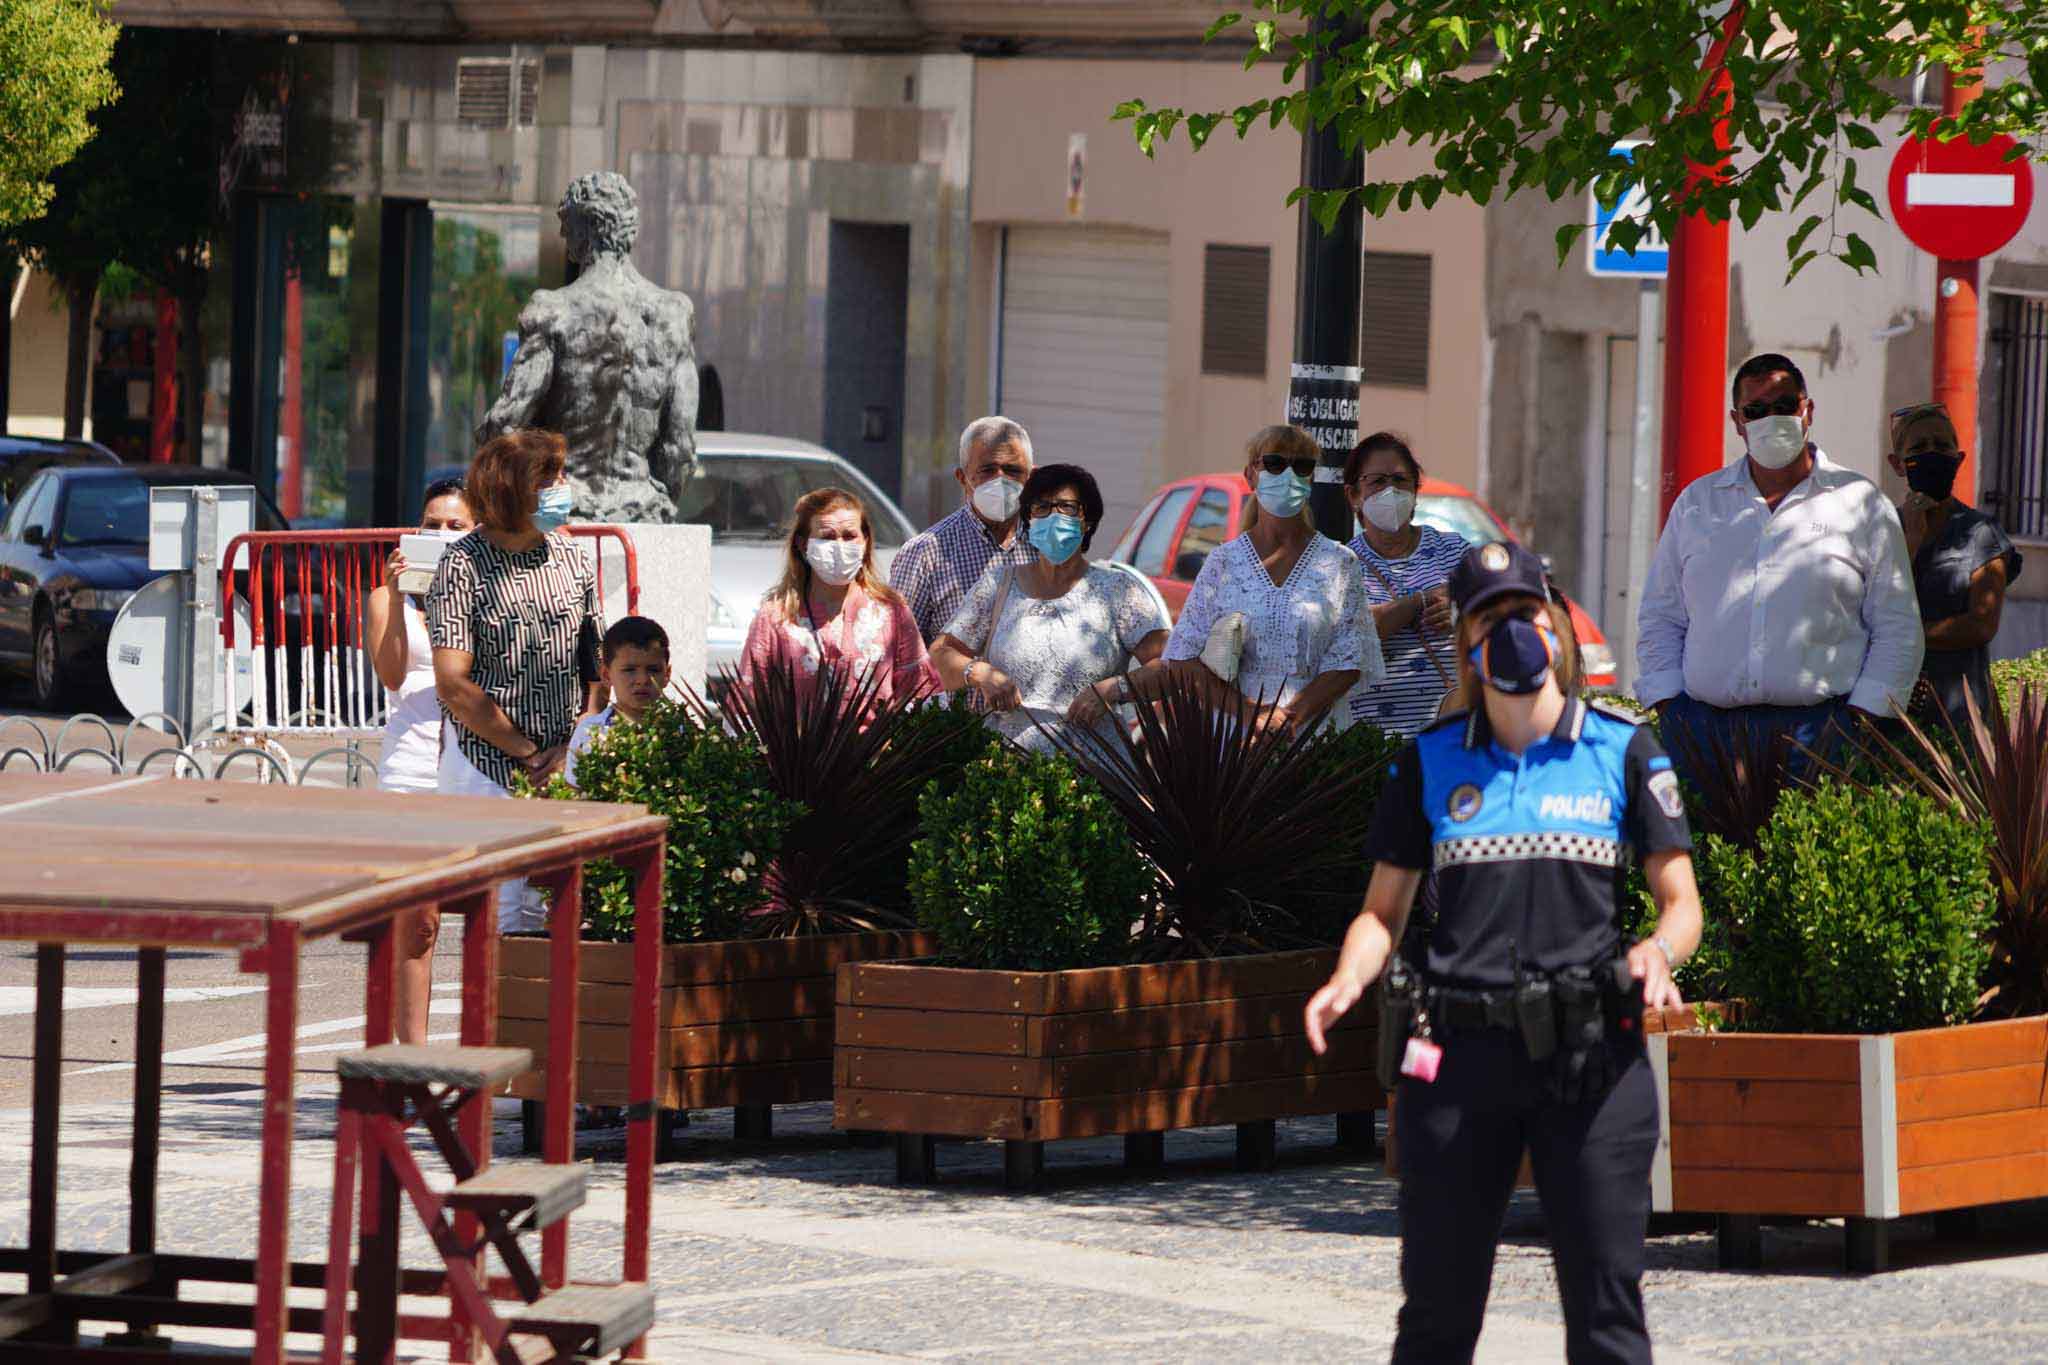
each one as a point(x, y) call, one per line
point(610, 361)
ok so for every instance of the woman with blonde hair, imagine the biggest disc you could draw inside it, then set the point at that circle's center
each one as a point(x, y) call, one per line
point(1277, 619)
point(831, 607)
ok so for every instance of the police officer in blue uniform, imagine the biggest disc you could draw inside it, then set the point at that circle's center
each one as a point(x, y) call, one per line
point(1520, 1027)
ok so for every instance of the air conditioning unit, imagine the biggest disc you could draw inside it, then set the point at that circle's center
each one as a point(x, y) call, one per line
point(497, 92)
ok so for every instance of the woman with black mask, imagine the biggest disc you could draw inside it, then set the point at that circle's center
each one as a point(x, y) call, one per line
point(1962, 564)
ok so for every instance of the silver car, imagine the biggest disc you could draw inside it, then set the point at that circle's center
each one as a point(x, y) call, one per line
point(745, 489)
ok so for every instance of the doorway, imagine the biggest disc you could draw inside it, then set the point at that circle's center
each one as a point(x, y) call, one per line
point(867, 303)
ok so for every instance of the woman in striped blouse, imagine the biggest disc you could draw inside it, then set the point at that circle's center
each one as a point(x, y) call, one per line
point(509, 604)
point(1406, 568)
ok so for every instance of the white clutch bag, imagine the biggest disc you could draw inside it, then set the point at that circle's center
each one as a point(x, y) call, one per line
point(1225, 646)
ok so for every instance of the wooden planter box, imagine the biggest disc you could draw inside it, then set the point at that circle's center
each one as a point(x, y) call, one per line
point(1866, 1128)
point(744, 1022)
point(1033, 1057)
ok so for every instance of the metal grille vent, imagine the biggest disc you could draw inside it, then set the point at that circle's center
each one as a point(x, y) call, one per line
point(1236, 294)
point(1394, 342)
point(484, 92)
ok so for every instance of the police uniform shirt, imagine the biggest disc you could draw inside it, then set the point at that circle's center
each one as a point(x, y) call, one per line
point(1527, 849)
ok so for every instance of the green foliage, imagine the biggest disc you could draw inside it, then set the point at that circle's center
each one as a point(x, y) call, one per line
point(856, 763)
point(54, 74)
point(1992, 770)
point(1531, 95)
point(1862, 914)
point(1024, 865)
point(725, 823)
point(1705, 974)
point(1328, 889)
point(948, 737)
point(1256, 834)
point(2008, 676)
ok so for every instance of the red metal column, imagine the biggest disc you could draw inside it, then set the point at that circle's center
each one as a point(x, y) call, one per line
point(378, 1220)
point(648, 867)
point(565, 966)
point(479, 1029)
point(163, 397)
point(1955, 321)
point(291, 422)
point(1696, 311)
point(274, 1198)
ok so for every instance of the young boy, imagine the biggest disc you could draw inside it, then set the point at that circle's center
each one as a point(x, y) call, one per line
point(635, 667)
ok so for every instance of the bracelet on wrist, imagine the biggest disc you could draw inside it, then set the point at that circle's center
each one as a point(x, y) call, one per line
point(1664, 946)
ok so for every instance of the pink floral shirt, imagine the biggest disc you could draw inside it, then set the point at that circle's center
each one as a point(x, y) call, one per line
point(865, 634)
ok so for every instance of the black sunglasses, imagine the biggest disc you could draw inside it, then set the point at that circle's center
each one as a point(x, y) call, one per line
point(1303, 465)
point(1784, 406)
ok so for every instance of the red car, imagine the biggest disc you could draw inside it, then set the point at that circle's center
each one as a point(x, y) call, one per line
point(1188, 518)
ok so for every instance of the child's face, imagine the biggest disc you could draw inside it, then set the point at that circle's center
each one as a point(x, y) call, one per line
point(636, 677)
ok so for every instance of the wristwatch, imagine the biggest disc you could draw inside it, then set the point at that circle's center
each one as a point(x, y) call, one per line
point(1664, 947)
point(1123, 690)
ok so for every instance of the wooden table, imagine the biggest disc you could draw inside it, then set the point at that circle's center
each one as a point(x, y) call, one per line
point(158, 863)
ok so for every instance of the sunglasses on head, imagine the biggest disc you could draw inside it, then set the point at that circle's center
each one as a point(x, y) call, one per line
point(1303, 465)
point(1783, 406)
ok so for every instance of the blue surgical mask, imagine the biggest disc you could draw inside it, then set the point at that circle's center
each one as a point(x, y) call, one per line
point(555, 505)
point(1282, 494)
point(1516, 656)
point(1057, 536)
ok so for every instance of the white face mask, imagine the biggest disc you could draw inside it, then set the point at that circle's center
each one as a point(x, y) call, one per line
point(835, 561)
point(1390, 508)
point(997, 499)
point(1775, 441)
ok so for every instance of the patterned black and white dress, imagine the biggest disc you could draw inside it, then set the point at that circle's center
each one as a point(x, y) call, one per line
point(518, 614)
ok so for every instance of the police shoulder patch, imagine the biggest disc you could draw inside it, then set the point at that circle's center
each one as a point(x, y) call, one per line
point(1608, 707)
point(1664, 787)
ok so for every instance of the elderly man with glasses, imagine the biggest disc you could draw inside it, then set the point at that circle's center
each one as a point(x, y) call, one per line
point(935, 569)
point(1780, 603)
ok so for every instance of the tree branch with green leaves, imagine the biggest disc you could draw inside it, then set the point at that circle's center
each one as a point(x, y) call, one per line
point(1517, 96)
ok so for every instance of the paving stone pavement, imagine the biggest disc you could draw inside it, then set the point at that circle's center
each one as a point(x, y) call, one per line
point(804, 1249)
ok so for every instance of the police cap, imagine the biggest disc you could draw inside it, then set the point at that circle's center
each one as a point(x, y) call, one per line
point(1499, 568)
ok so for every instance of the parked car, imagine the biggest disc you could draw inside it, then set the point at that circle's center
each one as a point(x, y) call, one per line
point(1171, 538)
point(24, 457)
point(74, 547)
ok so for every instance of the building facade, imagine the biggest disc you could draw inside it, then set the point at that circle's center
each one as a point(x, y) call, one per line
point(895, 216)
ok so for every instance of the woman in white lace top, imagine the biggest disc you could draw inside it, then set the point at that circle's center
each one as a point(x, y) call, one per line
point(1049, 642)
point(1308, 632)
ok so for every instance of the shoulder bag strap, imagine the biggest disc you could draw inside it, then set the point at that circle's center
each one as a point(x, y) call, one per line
point(1421, 631)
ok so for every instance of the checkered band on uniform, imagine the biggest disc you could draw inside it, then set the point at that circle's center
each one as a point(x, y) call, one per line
point(1515, 848)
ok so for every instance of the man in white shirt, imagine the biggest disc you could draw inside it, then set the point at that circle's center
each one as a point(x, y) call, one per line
point(1780, 601)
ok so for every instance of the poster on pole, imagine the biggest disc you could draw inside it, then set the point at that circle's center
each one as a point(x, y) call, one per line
point(1077, 173)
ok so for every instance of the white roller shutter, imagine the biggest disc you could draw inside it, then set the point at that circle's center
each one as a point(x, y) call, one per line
point(1084, 358)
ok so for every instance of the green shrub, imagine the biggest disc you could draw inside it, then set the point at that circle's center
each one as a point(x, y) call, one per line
point(1024, 865)
point(725, 823)
point(2010, 675)
point(1862, 913)
point(1703, 976)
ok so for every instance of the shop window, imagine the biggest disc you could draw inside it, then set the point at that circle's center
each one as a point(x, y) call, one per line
point(1394, 342)
point(2015, 430)
point(1236, 296)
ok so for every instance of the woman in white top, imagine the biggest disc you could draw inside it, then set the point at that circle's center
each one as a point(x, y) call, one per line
point(1049, 642)
point(1308, 633)
point(411, 760)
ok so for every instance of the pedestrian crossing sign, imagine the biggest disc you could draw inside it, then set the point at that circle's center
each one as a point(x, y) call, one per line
point(1651, 257)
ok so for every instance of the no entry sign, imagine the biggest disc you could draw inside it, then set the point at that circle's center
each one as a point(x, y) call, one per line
point(1959, 201)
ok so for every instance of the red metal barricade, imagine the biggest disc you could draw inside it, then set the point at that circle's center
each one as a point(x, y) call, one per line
point(301, 597)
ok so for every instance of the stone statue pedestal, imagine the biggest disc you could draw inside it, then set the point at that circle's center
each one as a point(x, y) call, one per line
point(675, 590)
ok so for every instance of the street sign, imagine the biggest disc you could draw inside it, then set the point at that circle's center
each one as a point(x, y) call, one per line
point(1958, 201)
point(1652, 257)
